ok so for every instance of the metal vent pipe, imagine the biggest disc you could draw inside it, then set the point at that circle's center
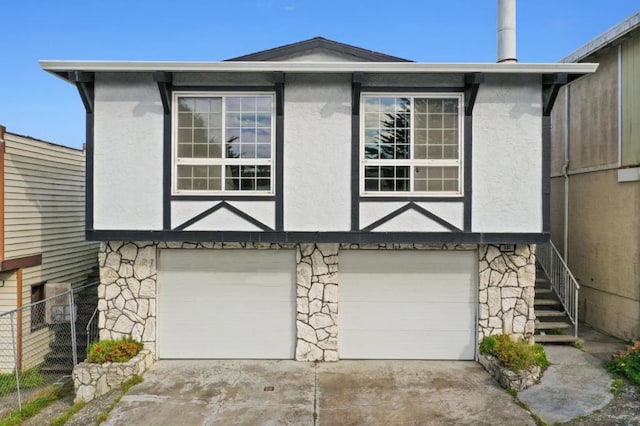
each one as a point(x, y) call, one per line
point(507, 31)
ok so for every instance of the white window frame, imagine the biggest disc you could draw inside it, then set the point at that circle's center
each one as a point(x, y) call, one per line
point(411, 162)
point(175, 161)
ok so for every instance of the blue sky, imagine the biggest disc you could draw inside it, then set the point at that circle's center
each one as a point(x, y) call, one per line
point(35, 103)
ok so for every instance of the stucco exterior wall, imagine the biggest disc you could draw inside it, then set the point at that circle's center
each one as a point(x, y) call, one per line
point(317, 151)
point(604, 251)
point(128, 169)
point(592, 116)
point(507, 156)
point(127, 152)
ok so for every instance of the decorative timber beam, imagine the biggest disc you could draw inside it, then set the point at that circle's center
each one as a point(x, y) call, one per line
point(84, 81)
point(472, 83)
point(551, 85)
point(165, 85)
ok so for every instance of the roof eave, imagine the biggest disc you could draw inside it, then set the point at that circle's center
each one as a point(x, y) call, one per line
point(60, 68)
point(608, 37)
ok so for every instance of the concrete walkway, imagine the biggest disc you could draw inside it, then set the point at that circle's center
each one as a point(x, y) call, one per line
point(575, 385)
point(295, 393)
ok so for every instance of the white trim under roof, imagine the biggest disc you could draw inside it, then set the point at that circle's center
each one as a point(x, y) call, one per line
point(607, 37)
point(57, 67)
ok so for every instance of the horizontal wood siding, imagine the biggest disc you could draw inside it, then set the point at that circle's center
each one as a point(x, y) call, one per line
point(8, 294)
point(44, 212)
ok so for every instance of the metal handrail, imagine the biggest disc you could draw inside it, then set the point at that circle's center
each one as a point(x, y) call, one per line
point(91, 327)
point(562, 280)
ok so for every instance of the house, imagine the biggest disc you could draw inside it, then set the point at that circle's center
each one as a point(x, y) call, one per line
point(317, 201)
point(42, 244)
point(595, 186)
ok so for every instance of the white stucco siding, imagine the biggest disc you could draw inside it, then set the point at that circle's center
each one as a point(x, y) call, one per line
point(317, 152)
point(127, 152)
point(262, 211)
point(507, 156)
point(411, 220)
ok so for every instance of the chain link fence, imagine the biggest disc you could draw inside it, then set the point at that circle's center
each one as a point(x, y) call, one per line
point(40, 344)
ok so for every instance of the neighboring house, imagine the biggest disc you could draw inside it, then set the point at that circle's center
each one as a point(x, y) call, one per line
point(42, 241)
point(596, 179)
point(317, 201)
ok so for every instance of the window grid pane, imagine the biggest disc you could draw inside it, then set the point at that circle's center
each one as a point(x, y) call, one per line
point(224, 130)
point(417, 130)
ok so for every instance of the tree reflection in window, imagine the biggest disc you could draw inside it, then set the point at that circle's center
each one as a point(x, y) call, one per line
point(387, 128)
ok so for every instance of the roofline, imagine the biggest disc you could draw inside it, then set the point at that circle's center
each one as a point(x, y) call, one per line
point(611, 35)
point(32, 138)
point(305, 45)
point(59, 67)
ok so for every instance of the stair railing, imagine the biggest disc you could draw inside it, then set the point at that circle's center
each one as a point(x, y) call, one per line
point(562, 280)
point(92, 329)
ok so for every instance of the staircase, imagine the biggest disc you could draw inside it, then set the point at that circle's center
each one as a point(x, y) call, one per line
point(59, 358)
point(556, 298)
point(552, 323)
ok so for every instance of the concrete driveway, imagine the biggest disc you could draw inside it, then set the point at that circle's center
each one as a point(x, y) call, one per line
point(296, 393)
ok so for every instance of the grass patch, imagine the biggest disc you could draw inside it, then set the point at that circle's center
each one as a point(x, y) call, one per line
point(61, 420)
point(534, 416)
point(29, 378)
point(124, 389)
point(579, 344)
point(617, 385)
point(39, 401)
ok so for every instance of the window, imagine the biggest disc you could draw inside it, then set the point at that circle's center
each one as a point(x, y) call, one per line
point(223, 143)
point(411, 144)
point(37, 309)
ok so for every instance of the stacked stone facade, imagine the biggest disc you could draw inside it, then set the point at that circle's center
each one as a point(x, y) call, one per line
point(128, 288)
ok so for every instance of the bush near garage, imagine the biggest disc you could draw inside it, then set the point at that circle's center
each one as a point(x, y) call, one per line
point(113, 350)
point(516, 355)
point(627, 363)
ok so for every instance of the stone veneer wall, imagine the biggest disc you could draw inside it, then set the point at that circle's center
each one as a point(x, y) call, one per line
point(128, 274)
point(506, 291)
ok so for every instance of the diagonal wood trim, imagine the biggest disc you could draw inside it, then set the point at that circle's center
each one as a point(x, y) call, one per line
point(20, 262)
point(417, 208)
point(229, 207)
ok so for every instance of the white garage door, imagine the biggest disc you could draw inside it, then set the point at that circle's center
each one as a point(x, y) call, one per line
point(226, 304)
point(407, 304)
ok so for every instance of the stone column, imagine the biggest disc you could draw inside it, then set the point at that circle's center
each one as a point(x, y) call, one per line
point(317, 302)
point(506, 291)
point(127, 291)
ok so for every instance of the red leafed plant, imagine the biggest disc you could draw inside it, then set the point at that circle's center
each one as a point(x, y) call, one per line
point(113, 350)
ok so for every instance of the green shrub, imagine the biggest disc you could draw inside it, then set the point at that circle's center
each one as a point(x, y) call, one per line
point(514, 355)
point(113, 350)
point(627, 363)
point(488, 345)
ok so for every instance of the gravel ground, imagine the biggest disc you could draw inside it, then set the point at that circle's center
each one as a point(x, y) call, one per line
point(624, 409)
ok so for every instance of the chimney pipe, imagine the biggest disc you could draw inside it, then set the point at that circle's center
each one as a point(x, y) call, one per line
point(507, 31)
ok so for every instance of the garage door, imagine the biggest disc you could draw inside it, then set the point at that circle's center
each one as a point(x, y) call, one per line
point(226, 304)
point(407, 304)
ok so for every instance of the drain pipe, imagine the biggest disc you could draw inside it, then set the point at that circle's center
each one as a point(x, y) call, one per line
point(565, 174)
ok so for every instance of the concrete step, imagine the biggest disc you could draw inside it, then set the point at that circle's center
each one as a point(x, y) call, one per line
point(541, 291)
point(554, 338)
point(542, 279)
point(545, 313)
point(546, 302)
point(552, 325)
